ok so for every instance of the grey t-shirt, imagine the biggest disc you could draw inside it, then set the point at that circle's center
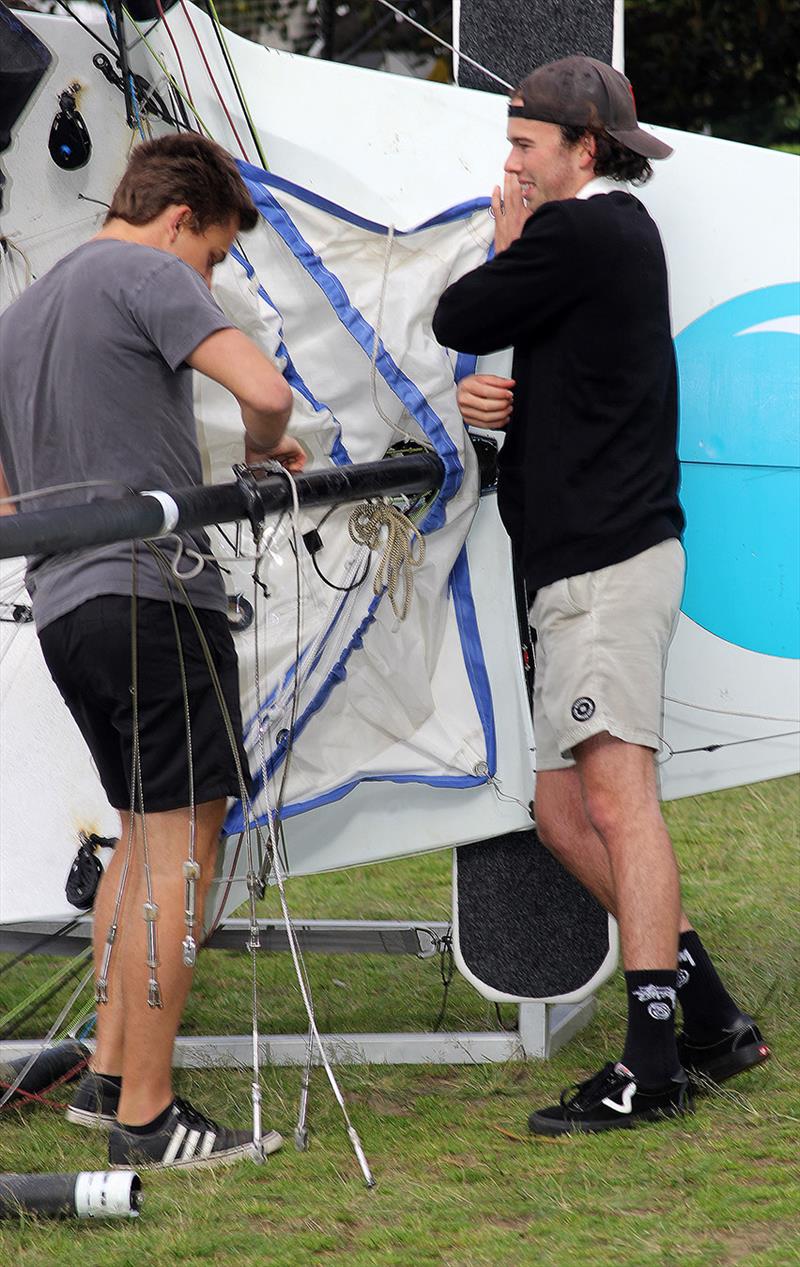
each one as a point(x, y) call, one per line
point(94, 386)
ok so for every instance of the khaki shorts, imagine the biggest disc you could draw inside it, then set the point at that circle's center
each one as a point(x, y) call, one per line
point(601, 649)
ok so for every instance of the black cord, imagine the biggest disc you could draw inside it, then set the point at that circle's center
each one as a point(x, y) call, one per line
point(447, 968)
point(343, 589)
point(88, 29)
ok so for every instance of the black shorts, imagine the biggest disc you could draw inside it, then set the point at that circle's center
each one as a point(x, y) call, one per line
point(88, 653)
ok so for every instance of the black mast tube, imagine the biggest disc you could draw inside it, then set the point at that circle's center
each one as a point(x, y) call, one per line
point(141, 515)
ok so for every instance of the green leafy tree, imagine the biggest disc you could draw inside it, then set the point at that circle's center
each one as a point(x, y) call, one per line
point(728, 67)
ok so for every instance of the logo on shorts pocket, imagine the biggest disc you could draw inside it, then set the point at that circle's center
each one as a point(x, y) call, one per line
point(583, 708)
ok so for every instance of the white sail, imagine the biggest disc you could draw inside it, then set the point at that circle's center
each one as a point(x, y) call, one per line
point(415, 734)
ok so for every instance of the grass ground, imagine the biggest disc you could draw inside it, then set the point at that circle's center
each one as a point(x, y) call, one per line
point(460, 1184)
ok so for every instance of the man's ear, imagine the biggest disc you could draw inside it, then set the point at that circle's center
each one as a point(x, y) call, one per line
point(588, 145)
point(179, 216)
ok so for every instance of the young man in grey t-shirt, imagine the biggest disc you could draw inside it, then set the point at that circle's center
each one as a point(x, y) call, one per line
point(96, 390)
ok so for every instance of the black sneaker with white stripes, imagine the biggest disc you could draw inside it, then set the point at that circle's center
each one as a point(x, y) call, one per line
point(187, 1140)
point(94, 1103)
point(612, 1100)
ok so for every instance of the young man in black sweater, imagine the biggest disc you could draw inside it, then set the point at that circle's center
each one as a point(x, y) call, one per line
point(588, 493)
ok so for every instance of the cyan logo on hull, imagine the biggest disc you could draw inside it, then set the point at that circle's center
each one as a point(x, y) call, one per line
point(739, 371)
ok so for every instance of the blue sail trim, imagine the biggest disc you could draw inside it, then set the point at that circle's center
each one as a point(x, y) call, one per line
point(467, 620)
point(462, 211)
point(364, 334)
point(264, 708)
point(338, 451)
point(465, 364)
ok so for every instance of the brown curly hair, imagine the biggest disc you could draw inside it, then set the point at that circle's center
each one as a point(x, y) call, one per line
point(612, 158)
point(183, 168)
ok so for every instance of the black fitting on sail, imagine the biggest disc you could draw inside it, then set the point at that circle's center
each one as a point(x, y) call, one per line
point(69, 143)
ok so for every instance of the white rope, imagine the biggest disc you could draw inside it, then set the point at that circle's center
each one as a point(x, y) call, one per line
point(418, 440)
point(381, 526)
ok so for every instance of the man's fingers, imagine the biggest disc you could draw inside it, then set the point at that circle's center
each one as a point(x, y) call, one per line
point(497, 201)
point(485, 391)
point(484, 406)
point(493, 379)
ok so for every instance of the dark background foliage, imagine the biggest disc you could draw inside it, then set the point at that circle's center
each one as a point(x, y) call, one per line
point(728, 67)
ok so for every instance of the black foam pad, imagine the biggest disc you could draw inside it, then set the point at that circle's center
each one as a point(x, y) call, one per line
point(513, 37)
point(526, 927)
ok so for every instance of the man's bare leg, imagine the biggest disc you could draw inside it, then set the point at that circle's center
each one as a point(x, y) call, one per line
point(564, 828)
point(621, 799)
point(148, 1034)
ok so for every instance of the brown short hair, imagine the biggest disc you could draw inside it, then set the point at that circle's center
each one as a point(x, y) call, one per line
point(183, 167)
point(612, 158)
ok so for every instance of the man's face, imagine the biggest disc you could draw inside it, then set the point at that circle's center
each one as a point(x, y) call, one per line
point(203, 251)
point(545, 167)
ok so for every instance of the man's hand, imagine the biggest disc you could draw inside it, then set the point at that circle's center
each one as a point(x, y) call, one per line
point(288, 451)
point(510, 213)
point(485, 400)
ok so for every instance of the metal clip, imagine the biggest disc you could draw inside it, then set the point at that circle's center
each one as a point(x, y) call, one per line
point(189, 947)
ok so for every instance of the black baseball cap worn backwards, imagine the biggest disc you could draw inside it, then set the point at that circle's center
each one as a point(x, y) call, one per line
point(582, 92)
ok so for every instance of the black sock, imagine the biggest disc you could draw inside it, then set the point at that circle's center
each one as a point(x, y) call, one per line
point(113, 1078)
point(707, 1006)
point(650, 1051)
point(149, 1127)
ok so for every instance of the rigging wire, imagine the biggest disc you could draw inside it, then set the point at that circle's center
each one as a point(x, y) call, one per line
point(171, 80)
point(37, 945)
point(41, 994)
point(163, 17)
point(214, 84)
point(121, 57)
point(218, 31)
point(292, 937)
point(59, 1021)
point(730, 743)
point(97, 39)
point(273, 815)
point(439, 40)
point(729, 712)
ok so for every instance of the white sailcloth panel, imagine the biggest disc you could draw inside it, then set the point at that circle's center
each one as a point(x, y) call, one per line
point(379, 699)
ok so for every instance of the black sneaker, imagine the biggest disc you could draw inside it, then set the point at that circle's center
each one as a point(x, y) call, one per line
point(732, 1051)
point(187, 1140)
point(94, 1103)
point(610, 1100)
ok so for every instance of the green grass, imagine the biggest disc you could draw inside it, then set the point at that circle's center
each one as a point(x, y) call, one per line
point(460, 1184)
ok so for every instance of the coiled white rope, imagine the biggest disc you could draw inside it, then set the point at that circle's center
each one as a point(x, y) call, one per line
point(381, 526)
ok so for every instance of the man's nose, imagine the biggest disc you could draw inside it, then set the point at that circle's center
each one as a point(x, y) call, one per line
point(511, 164)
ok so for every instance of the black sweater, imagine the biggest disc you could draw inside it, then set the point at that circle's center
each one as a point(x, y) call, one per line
point(588, 472)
